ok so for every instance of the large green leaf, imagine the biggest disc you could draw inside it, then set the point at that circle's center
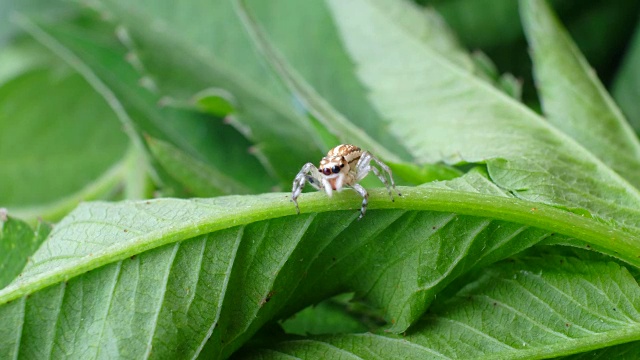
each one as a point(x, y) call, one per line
point(185, 276)
point(94, 51)
point(573, 98)
point(528, 307)
point(52, 124)
point(185, 56)
point(443, 112)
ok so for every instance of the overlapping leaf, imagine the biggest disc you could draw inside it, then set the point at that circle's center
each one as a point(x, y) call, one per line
point(573, 98)
point(443, 112)
point(18, 241)
point(94, 52)
point(626, 88)
point(185, 56)
point(539, 307)
point(45, 139)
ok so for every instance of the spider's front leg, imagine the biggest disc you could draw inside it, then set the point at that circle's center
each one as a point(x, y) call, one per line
point(365, 198)
point(364, 166)
point(308, 174)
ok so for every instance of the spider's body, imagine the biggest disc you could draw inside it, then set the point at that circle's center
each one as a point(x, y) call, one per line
point(344, 165)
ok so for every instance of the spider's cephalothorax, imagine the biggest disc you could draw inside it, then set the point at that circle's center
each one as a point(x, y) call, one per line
point(344, 165)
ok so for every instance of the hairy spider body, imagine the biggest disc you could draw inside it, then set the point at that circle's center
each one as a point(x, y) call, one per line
point(344, 166)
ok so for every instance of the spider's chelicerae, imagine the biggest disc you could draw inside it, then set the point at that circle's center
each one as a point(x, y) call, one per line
point(344, 165)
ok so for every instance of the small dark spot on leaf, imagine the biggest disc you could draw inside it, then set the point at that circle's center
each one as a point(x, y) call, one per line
point(495, 304)
point(614, 309)
point(133, 257)
point(561, 261)
point(125, 230)
point(267, 298)
point(588, 246)
point(334, 259)
point(147, 202)
point(567, 324)
point(434, 227)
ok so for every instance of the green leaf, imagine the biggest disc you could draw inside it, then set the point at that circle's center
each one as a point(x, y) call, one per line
point(415, 174)
point(529, 307)
point(94, 52)
point(184, 56)
point(197, 176)
point(469, 20)
point(52, 124)
point(573, 99)
point(443, 112)
point(622, 352)
point(324, 69)
point(626, 88)
point(45, 10)
point(336, 123)
point(333, 316)
point(191, 274)
point(18, 241)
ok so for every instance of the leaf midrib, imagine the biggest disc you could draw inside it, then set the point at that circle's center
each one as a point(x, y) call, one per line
point(623, 244)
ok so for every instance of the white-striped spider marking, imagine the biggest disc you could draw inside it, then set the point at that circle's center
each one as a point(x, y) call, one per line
point(344, 166)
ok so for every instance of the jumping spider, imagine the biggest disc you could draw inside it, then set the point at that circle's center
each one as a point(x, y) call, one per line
point(344, 165)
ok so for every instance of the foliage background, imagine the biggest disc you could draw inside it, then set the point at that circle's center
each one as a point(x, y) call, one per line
point(517, 235)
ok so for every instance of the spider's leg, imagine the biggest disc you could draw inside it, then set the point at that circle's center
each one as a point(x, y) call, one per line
point(365, 198)
point(362, 167)
point(386, 169)
point(313, 182)
point(308, 171)
point(382, 179)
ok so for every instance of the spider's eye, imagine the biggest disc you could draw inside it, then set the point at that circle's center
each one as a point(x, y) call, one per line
point(336, 169)
point(326, 171)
